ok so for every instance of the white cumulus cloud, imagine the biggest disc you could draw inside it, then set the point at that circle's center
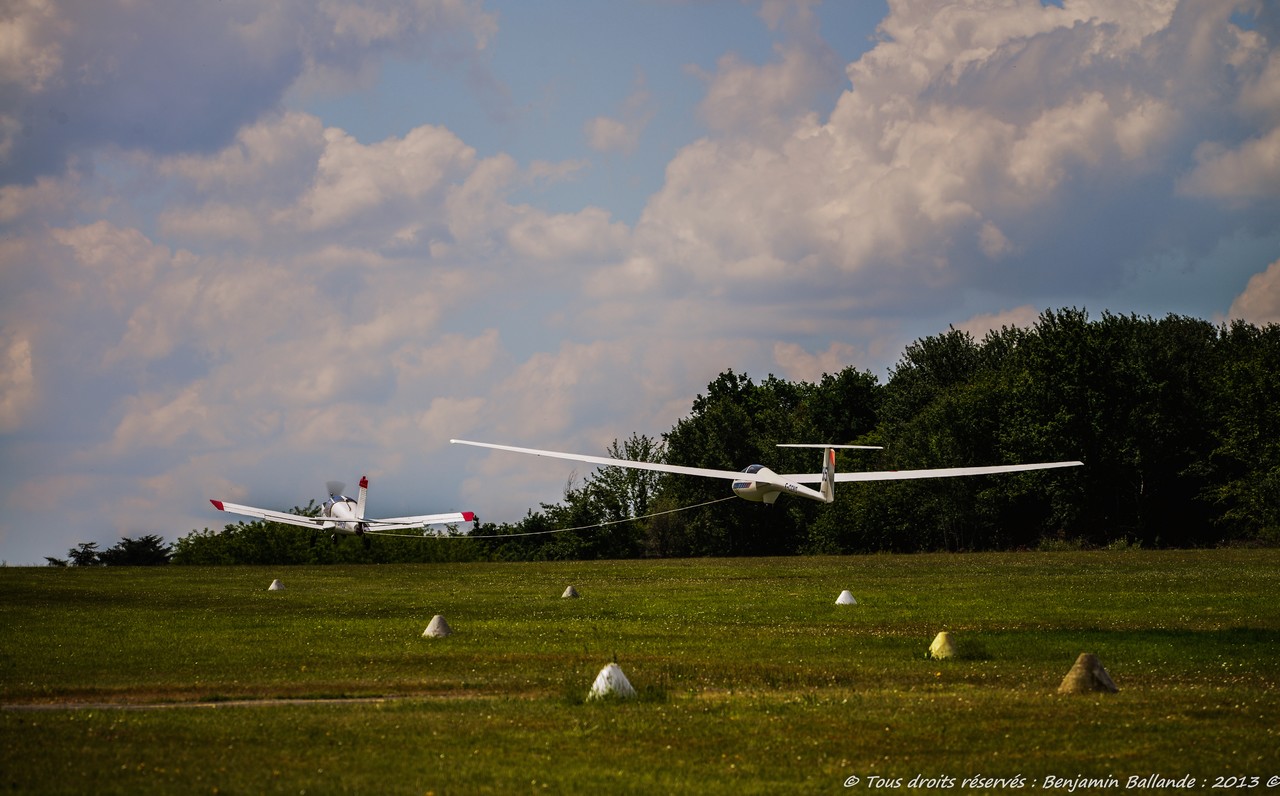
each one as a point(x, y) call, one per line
point(1260, 302)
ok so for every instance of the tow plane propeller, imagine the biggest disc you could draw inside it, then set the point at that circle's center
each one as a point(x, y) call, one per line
point(341, 514)
point(759, 484)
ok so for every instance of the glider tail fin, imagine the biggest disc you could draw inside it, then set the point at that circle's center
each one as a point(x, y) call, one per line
point(362, 496)
point(829, 475)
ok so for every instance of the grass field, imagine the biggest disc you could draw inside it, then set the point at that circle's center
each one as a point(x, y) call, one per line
point(751, 679)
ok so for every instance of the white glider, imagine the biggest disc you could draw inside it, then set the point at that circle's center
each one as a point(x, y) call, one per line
point(341, 514)
point(758, 483)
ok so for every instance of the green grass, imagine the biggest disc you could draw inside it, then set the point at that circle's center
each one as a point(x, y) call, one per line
point(751, 679)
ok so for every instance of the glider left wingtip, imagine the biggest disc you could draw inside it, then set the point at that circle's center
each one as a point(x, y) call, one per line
point(217, 504)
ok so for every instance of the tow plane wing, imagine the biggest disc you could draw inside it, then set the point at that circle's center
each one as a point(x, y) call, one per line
point(341, 514)
point(268, 514)
point(419, 521)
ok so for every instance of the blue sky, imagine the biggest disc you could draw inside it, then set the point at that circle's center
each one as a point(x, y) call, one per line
point(247, 248)
point(553, 67)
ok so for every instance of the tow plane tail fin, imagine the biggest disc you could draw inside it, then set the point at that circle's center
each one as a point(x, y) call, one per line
point(362, 496)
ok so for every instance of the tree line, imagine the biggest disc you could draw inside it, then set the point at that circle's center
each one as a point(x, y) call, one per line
point(1175, 419)
point(144, 551)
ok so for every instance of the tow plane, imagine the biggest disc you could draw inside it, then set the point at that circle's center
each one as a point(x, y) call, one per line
point(342, 515)
point(759, 484)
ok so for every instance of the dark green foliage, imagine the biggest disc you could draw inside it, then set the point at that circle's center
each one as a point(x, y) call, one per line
point(146, 551)
point(262, 542)
point(1245, 475)
point(86, 555)
point(1175, 420)
point(1131, 397)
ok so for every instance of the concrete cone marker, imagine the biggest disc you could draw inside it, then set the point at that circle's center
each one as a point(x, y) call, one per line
point(611, 682)
point(276, 585)
point(846, 598)
point(569, 592)
point(1087, 676)
point(942, 646)
point(438, 628)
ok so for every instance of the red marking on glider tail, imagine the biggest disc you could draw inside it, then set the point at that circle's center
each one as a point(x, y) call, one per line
point(828, 488)
point(217, 504)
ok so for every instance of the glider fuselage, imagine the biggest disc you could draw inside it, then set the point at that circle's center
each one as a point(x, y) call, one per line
point(766, 491)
